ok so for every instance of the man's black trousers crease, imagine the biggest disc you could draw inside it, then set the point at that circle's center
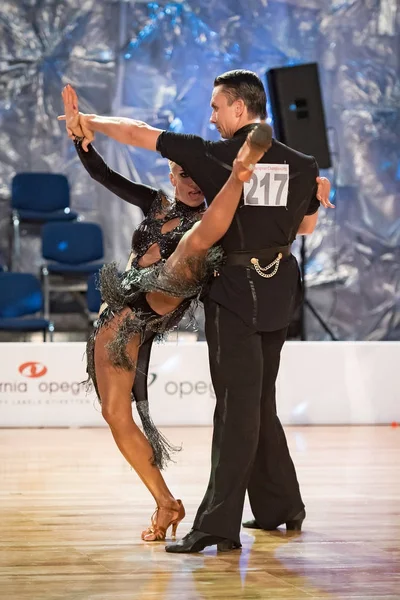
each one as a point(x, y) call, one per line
point(249, 449)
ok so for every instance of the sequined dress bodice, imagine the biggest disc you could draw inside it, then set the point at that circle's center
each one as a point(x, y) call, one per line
point(149, 232)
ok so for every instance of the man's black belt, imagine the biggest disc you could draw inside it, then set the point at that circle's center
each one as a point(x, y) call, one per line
point(264, 261)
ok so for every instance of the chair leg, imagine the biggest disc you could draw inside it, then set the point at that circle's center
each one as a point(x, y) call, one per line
point(81, 300)
point(46, 292)
point(51, 331)
point(10, 245)
point(15, 242)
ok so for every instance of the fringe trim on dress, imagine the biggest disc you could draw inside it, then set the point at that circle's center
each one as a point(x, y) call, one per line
point(127, 290)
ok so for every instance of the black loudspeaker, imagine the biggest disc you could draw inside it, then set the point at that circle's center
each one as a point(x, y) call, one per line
point(297, 110)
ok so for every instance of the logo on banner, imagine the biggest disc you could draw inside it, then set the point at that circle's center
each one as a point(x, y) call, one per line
point(32, 369)
point(183, 388)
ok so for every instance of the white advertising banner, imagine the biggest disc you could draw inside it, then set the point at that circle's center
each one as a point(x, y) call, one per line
point(319, 383)
point(325, 383)
point(42, 385)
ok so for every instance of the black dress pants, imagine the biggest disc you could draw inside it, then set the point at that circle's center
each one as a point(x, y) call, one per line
point(249, 449)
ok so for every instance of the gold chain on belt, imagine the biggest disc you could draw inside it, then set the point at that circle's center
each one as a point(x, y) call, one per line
point(261, 270)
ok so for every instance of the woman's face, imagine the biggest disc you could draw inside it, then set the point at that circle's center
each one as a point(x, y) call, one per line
point(185, 188)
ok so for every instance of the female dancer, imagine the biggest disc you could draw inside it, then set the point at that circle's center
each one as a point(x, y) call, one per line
point(150, 298)
point(153, 241)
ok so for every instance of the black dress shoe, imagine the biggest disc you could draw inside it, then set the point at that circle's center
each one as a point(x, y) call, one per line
point(196, 541)
point(293, 524)
point(297, 521)
point(252, 524)
point(228, 545)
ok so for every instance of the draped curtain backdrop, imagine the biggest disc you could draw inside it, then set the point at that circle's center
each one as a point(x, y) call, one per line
point(157, 61)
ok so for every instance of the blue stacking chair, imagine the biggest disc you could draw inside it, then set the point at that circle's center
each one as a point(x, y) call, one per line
point(72, 251)
point(21, 299)
point(37, 198)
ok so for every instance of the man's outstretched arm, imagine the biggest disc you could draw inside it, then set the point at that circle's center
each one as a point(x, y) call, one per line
point(121, 129)
point(124, 130)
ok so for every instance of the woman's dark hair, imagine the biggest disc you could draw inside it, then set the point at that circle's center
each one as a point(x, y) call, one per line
point(247, 86)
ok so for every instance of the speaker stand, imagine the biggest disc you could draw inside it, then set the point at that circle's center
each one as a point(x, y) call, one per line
point(306, 303)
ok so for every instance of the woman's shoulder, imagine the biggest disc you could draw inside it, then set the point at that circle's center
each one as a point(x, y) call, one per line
point(161, 202)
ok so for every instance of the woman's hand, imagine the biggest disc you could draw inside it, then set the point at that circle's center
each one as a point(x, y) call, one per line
point(323, 192)
point(71, 112)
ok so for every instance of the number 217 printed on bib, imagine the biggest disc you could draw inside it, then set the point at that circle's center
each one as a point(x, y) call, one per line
point(268, 186)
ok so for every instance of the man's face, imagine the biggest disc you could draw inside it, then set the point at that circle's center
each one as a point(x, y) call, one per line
point(185, 188)
point(224, 117)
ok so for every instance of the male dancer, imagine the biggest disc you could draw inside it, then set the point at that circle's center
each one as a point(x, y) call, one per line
point(247, 309)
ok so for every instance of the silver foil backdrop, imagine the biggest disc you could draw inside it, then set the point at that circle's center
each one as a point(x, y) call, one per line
point(156, 62)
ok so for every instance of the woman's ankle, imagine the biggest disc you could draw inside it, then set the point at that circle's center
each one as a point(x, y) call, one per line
point(168, 503)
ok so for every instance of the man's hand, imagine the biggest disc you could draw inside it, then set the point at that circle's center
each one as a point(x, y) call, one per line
point(74, 120)
point(323, 192)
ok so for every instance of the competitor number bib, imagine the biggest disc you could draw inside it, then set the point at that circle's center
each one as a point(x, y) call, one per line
point(268, 186)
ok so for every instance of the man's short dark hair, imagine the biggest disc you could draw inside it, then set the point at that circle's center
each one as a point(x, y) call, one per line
point(247, 86)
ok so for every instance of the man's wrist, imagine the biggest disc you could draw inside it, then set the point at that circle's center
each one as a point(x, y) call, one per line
point(86, 119)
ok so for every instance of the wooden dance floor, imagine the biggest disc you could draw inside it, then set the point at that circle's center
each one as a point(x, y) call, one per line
point(72, 512)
